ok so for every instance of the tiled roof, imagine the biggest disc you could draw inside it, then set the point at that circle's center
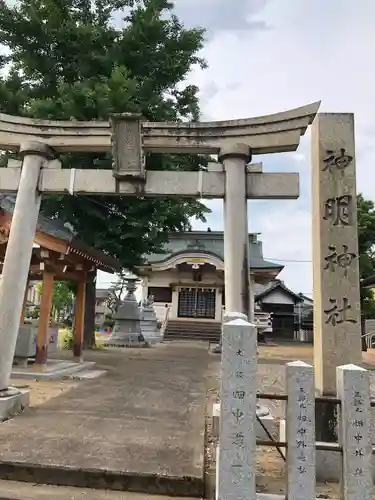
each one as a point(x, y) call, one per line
point(57, 229)
point(210, 242)
point(263, 291)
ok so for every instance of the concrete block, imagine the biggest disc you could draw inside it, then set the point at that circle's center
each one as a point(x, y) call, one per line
point(26, 341)
point(13, 403)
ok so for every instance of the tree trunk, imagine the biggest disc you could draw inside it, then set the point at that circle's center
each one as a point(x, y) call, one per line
point(89, 331)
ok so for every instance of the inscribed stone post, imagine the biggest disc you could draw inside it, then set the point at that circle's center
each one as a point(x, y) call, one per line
point(300, 431)
point(353, 388)
point(337, 323)
point(236, 458)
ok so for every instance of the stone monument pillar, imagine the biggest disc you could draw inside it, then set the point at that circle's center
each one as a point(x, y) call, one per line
point(18, 254)
point(235, 158)
point(127, 329)
point(337, 311)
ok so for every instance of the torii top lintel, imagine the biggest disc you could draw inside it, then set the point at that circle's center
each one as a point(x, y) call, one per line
point(264, 134)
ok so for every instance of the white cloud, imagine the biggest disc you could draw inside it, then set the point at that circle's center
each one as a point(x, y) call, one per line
point(266, 56)
point(311, 50)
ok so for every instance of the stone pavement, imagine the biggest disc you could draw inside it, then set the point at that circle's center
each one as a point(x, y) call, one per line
point(14, 490)
point(139, 428)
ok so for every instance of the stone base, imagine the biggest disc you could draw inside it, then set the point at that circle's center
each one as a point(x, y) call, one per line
point(52, 370)
point(127, 340)
point(13, 402)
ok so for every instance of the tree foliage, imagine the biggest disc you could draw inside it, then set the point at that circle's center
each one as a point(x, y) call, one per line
point(116, 293)
point(62, 298)
point(366, 245)
point(86, 59)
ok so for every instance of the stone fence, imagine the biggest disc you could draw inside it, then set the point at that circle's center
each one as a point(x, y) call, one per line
point(236, 454)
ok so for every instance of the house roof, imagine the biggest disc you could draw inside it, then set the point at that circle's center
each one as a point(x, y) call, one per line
point(57, 229)
point(211, 243)
point(102, 293)
point(305, 297)
point(368, 282)
point(272, 286)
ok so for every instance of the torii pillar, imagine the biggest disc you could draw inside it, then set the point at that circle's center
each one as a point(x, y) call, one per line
point(18, 255)
point(235, 158)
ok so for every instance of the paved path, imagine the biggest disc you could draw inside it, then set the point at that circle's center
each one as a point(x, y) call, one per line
point(144, 418)
point(13, 490)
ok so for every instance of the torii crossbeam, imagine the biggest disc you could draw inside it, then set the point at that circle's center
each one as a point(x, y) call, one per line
point(129, 138)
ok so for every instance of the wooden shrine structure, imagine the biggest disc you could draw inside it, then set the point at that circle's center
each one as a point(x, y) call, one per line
point(57, 255)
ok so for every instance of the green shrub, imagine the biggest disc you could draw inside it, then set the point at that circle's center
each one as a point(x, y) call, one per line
point(66, 338)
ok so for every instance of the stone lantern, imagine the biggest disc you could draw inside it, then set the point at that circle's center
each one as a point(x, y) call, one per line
point(127, 329)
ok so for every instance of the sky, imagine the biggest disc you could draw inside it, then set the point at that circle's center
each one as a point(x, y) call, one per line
point(266, 56)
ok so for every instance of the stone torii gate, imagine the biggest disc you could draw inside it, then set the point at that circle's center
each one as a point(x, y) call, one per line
point(129, 138)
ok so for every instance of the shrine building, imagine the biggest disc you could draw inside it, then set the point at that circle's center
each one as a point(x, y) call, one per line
point(187, 281)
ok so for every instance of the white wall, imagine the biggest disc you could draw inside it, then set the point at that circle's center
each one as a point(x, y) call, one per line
point(277, 297)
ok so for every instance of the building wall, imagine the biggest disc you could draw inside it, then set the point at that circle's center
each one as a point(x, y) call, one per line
point(33, 294)
point(278, 297)
point(175, 279)
point(101, 309)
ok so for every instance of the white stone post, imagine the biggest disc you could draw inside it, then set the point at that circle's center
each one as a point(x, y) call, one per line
point(18, 254)
point(353, 388)
point(300, 431)
point(235, 157)
point(236, 463)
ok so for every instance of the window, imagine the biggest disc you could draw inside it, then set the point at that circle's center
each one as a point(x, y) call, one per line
point(160, 293)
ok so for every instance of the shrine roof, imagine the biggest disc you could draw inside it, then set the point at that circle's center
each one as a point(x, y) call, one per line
point(262, 291)
point(58, 230)
point(211, 243)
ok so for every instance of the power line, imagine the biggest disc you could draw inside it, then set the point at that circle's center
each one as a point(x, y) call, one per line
point(289, 260)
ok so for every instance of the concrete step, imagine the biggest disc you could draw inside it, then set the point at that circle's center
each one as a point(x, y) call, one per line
point(186, 337)
point(54, 369)
point(207, 331)
point(87, 375)
point(193, 332)
point(197, 332)
point(14, 490)
point(190, 324)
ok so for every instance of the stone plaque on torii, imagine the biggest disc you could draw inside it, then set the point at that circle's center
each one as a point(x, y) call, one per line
point(129, 138)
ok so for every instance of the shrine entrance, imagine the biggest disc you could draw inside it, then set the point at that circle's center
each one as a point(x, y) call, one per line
point(129, 139)
point(197, 303)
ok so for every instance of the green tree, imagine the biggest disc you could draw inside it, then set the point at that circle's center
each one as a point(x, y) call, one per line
point(366, 244)
point(67, 59)
point(62, 298)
